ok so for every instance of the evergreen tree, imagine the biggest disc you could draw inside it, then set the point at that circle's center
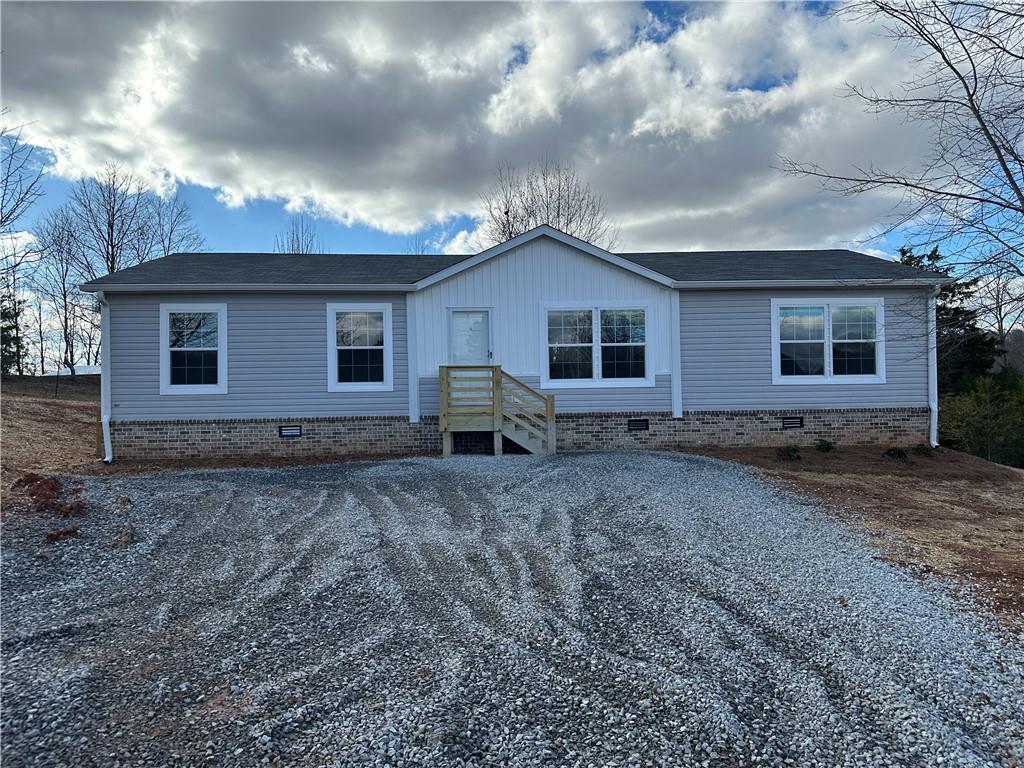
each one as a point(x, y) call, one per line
point(964, 350)
point(13, 349)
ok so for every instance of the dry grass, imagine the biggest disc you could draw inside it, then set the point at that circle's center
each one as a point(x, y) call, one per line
point(84, 389)
point(42, 435)
point(949, 513)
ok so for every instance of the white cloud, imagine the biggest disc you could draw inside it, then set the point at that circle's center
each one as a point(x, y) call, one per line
point(395, 115)
point(462, 241)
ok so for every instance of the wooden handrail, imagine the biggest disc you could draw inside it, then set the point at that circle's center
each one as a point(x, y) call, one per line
point(488, 398)
point(525, 387)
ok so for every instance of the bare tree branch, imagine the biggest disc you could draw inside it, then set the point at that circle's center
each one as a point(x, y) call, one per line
point(299, 237)
point(968, 193)
point(56, 280)
point(111, 213)
point(20, 178)
point(418, 245)
point(547, 192)
point(171, 226)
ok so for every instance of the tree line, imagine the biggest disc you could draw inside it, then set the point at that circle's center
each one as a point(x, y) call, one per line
point(108, 222)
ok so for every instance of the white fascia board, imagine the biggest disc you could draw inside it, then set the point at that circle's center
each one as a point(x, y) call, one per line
point(544, 231)
point(707, 285)
point(250, 288)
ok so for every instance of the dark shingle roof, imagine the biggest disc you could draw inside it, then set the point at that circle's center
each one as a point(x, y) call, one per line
point(280, 269)
point(733, 266)
point(273, 269)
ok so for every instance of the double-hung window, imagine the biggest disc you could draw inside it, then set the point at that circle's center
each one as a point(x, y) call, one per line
point(359, 347)
point(193, 355)
point(570, 344)
point(827, 340)
point(595, 346)
point(623, 344)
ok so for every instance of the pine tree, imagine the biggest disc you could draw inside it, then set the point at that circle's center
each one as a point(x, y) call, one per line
point(13, 349)
point(964, 350)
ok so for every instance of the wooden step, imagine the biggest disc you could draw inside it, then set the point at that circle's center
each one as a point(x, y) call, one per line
point(523, 438)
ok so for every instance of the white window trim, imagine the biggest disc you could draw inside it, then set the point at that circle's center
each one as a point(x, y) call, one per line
point(491, 357)
point(333, 385)
point(596, 382)
point(221, 387)
point(829, 377)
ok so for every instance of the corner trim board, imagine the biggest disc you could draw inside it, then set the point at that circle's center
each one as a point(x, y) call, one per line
point(108, 446)
point(412, 359)
point(933, 376)
point(677, 357)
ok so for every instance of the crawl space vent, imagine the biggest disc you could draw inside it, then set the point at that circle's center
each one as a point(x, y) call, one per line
point(290, 430)
point(637, 425)
point(792, 422)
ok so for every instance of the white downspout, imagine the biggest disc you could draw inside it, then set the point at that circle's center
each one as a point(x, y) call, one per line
point(412, 358)
point(108, 448)
point(933, 376)
point(676, 357)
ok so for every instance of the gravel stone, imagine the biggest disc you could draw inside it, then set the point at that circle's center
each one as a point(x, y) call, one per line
point(579, 610)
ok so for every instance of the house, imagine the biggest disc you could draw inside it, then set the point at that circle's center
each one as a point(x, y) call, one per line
point(544, 340)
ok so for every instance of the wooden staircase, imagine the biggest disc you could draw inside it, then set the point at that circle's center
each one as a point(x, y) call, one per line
point(483, 398)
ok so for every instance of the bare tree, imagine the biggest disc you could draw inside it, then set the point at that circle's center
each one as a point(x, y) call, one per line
point(418, 245)
point(56, 279)
point(170, 227)
point(547, 192)
point(38, 319)
point(299, 237)
point(20, 187)
point(89, 336)
point(20, 178)
point(968, 194)
point(111, 214)
point(999, 298)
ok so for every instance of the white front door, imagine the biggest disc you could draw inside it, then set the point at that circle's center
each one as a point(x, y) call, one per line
point(471, 337)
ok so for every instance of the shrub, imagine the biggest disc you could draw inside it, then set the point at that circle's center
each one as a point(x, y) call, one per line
point(787, 453)
point(897, 453)
point(987, 419)
point(824, 445)
point(923, 449)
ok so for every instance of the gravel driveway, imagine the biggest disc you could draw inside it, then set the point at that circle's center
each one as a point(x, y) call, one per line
point(573, 610)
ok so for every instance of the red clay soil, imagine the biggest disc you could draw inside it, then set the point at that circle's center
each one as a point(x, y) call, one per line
point(952, 513)
point(44, 435)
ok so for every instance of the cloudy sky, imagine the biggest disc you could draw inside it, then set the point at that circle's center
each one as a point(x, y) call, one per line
point(385, 120)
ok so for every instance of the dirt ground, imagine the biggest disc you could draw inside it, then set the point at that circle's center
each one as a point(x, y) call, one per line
point(45, 435)
point(948, 513)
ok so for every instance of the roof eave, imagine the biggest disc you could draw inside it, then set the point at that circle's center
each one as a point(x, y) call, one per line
point(95, 286)
point(919, 282)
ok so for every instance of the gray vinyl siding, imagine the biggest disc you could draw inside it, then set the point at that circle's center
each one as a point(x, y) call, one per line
point(596, 400)
point(726, 353)
point(277, 359)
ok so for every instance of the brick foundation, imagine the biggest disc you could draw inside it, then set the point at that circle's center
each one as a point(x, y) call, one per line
point(240, 438)
point(390, 435)
point(865, 426)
